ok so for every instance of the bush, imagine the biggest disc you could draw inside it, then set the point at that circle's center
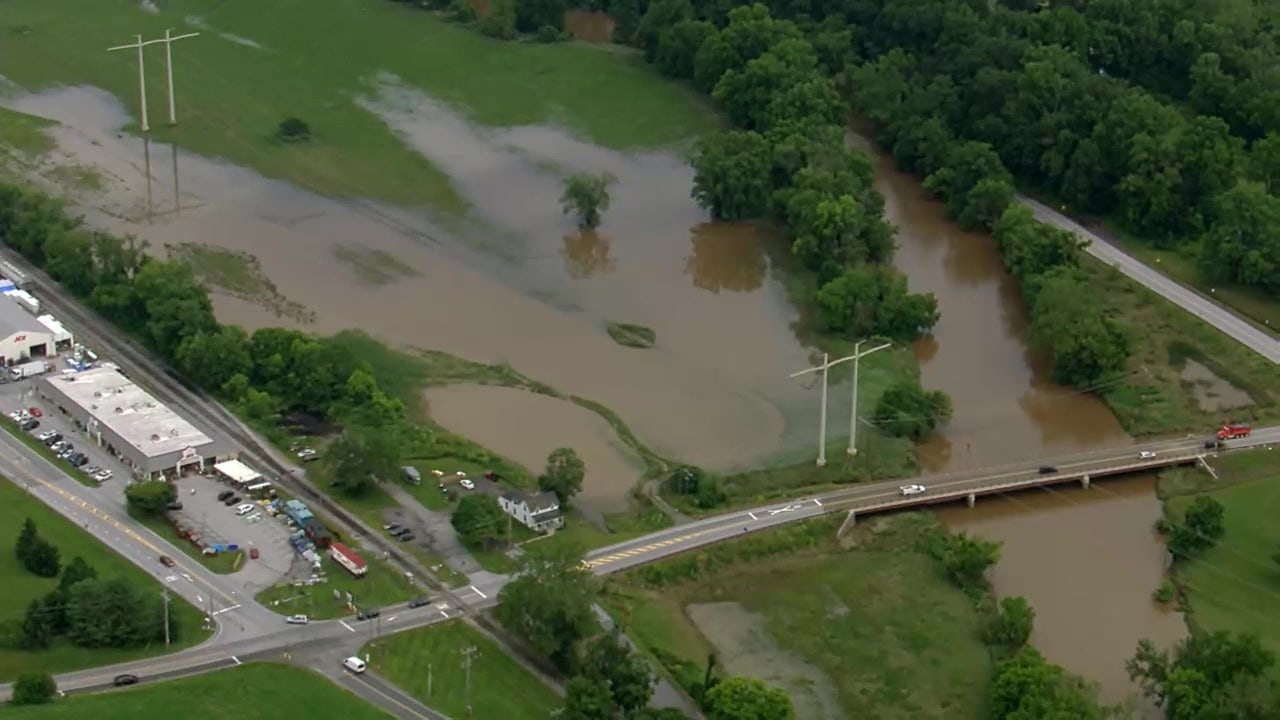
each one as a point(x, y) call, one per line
point(293, 130)
point(1165, 593)
point(461, 11)
point(547, 34)
point(149, 499)
point(34, 689)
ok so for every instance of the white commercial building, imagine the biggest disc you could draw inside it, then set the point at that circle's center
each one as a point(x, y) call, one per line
point(22, 336)
point(130, 423)
point(237, 472)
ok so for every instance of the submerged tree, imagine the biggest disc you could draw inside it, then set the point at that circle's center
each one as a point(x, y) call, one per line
point(588, 196)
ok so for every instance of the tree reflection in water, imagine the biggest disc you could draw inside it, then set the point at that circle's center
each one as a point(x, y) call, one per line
point(726, 256)
point(586, 253)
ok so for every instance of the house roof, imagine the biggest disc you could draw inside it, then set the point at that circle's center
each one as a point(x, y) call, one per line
point(545, 514)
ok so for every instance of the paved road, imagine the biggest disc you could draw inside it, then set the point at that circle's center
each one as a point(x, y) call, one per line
point(886, 495)
point(1193, 302)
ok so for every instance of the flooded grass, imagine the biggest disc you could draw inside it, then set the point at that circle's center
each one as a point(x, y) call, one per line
point(1155, 398)
point(240, 275)
point(1231, 586)
point(233, 95)
point(425, 662)
point(25, 133)
point(880, 620)
point(373, 266)
point(77, 177)
point(633, 336)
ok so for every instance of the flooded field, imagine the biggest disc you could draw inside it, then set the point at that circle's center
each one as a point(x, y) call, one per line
point(525, 427)
point(1006, 407)
point(1088, 561)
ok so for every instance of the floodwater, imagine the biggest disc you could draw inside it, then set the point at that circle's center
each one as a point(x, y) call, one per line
point(1088, 560)
point(525, 427)
point(1006, 406)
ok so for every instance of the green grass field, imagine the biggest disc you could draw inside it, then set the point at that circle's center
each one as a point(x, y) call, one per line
point(380, 587)
point(500, 688)
point(1233, 585)
point(256, 691)
point(25, 133)
point(881, 621)
point(314, 57)
point(21, 587)
point(1154, 399)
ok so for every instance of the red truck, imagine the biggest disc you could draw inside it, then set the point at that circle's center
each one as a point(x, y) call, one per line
point(1231, 431)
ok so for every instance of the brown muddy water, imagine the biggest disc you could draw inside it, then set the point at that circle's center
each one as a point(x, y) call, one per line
point(1088, 561)
point(1006, 406)
point(525, 427)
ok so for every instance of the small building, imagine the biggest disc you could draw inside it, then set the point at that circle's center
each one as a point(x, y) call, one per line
point(22, 336)
point(116, 414)
point(540, 512)
point(63, 340)
point(347, 558)
point(237, 473)
point(317, 533)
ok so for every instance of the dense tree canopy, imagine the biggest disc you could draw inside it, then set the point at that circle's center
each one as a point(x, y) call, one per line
point(1027, 686)
point(747, 699)
point(1209, 676)
point(549, 603)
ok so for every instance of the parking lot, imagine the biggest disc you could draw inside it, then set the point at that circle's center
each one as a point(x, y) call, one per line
point(215, 522)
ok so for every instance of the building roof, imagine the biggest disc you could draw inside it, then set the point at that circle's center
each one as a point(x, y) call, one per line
point(129, 411)
point(56, 328)
point(348, 553)
point(237, 471)
point(536, 502)
point(14, 319)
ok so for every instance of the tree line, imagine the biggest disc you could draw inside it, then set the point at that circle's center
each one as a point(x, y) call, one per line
point(264, 375)
point(548, 605)
point(87, 610)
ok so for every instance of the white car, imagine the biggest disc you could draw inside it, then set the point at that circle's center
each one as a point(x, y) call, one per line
point(908, 490)
point(244, 509)
point(1146, 455)
point(466, 483)
point(102, 475)
point(296, 620)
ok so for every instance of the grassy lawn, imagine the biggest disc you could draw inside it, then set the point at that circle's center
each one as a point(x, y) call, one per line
point(25, 133)
point(581, 533)
point(256, 691)
point(881, 621)
point(21, 587)
point(500, 688)
point(1231, 586)
point(233, 95)
point(223, 563)
point(383, 585)
point(1253, 304)
point(1155, 399)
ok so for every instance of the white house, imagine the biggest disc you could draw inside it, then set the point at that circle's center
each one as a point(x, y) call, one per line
point(540, 512)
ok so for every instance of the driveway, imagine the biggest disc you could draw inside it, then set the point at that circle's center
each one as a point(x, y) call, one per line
point(432, 528)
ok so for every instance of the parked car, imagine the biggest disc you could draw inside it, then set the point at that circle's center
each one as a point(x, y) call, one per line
point(253, 553)
point(391, 527)
point(102, 475)
point(122, 680)
point(244, 509)
point(466, 483)
point(308, 455)
point(222, 496)
point(17, 416)
point(166, 561)
point(90, 469)
point(57, 445)
point(231, 500)
point(175, 505)
point(30, 424)
point(296, 620)
point(405, 537)
point(78, 459)
point(493, 476)
point(44, 436)
point(398, 531)
point(418, 602)
point(35, 412)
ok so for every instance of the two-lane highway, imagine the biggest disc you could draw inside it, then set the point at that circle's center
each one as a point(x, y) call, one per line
point(887, 495)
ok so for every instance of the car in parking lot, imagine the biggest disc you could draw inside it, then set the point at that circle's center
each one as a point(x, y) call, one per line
point(418, 602)
point(17, 416)
point(102, 475)
point(397, 531)
point(297, 620)
point(253, 553)
point(391, 527)
point(244, 509)
point(405, 537)
point(52, 439)
point(30, 424)
point(222, 496)
point(231, 500)
point(308, 455)
point(466, 483)
point(78, 459)
point(44, 436)
point(908, 490)
point(35, 412)
point(166, 561)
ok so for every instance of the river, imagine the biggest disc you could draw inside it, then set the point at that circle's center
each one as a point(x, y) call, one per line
point(527, 289)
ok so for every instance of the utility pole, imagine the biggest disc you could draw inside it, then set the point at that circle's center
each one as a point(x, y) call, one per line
point(428, 681)
point(164, 595)
point(168, 41)
point(142, 78)
point(468, 654)
point(853, 413)
point(824, 368)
